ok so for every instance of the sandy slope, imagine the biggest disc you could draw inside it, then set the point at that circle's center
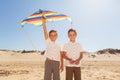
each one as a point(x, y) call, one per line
point(17, 66)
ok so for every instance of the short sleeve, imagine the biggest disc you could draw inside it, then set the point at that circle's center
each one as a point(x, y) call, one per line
point(60, 47)
point(65, 48)
point(47, 41)
point(81, 48)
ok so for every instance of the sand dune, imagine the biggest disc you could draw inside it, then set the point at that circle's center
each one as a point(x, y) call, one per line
point(30, 66)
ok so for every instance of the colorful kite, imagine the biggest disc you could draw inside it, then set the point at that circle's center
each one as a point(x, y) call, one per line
point(50, 16)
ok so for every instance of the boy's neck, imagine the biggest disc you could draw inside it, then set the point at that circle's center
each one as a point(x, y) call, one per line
point(53, 41)
point(72, 41)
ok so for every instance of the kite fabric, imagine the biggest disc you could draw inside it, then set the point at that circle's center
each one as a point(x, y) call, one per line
point(50, 16)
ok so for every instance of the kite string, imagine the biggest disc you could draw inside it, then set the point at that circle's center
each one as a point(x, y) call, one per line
point(30, 40)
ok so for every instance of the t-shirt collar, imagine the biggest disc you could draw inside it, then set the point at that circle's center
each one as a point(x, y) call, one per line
point(72, 42)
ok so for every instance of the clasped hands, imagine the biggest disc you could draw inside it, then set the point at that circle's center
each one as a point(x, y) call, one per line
point(77, 61)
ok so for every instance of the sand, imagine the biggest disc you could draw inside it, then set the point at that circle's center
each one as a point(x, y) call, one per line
point(30, 66)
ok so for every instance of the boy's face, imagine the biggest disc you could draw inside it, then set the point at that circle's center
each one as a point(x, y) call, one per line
point(53, 36)
point(72, 36)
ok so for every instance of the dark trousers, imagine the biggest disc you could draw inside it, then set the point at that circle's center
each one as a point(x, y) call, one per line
point(73, 71)
point(52, 70)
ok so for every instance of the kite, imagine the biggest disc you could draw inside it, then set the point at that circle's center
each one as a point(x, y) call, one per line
point(50, 16)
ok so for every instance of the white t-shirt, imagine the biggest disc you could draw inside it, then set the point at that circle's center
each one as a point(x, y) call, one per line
point(52, 50)
point(72, 51)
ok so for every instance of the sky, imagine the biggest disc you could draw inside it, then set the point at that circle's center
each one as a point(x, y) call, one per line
point(97, 23)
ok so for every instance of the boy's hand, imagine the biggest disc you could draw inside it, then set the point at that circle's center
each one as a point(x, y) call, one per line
point(77, 61)
point(43, 20)
point(61, 68)
point(72, 61)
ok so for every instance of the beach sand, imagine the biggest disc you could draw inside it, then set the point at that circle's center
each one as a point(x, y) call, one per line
point(30, 66)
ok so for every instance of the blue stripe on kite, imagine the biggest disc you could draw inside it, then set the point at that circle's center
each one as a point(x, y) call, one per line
point(55, 15)
point(33, 18)
point(38, 12)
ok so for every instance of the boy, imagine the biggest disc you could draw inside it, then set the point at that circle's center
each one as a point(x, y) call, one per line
point(73, 54)
point(52, 54)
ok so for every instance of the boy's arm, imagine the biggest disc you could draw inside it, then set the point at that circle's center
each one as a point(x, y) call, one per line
point(80, 57)
point(66, 57)
point(44, 29)
point(61, 61)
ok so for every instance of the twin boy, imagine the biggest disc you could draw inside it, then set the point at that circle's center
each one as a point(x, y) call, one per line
point(72, 52)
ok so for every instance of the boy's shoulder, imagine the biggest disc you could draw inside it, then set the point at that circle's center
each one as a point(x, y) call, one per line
point(78, 43)
point(71, 42)
point(68, 44)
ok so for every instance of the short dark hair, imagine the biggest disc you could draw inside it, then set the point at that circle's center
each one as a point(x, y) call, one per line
point(52, 31)
point(72, 30)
